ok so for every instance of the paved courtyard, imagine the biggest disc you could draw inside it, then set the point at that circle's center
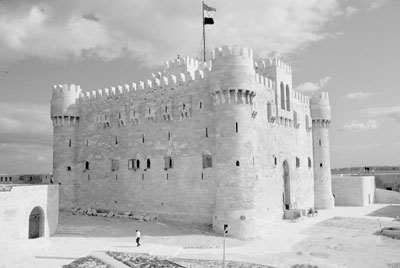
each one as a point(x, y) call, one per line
point(343, 237)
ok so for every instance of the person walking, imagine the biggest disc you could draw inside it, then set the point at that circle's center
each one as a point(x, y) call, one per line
point(138, 238)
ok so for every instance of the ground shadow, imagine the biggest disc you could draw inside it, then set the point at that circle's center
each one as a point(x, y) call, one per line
point(391, 211)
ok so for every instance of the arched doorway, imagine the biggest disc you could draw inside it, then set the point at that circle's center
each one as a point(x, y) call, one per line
point(36, 219)
point(286, 185)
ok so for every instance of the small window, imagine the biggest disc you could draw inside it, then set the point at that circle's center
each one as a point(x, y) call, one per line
point(237, 163)
point(168, 162)
point(206, 132)
point(70, 143)
point(68, 168)
point(169, 135)
point(297, 162)
point(114, 165)
point(207, 161)
point(133, 164)
point(275, 160)
point(201, 105)
point(142, 138)
point(309, 162)
point(87, 143)
point(320, 164)
point(320, 142)
point(87, 165)
point(116, 140)
point(237, 127)
point(148, 164)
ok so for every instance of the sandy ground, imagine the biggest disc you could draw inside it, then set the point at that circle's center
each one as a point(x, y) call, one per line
point(343, 237)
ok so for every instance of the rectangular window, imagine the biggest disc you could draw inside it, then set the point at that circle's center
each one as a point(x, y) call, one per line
point(114, 165)
point(168, 162)
point(207, 161)
point(297, 162)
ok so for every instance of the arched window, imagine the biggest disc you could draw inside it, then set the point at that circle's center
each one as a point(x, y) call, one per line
point(282, 96)
point(287, 98)
point(269, 111)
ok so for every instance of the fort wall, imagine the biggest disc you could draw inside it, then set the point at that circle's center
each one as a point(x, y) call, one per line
point(204, 142)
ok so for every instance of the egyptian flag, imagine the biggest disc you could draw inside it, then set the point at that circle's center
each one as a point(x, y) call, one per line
point(208, 20)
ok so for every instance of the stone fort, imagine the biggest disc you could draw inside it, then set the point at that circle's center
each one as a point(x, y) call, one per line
point(227, 141)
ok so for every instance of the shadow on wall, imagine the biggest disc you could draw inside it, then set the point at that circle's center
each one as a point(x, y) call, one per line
point(391, 211)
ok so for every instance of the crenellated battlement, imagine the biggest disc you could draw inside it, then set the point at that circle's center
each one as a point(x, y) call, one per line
point(275, 62)
point(320, 97)
point(235, 50)
point(300, 97)
point(264, 81)
point(157, 81)
point(65, 88)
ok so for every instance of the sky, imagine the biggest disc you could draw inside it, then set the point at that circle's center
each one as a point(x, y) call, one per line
point(349, 48)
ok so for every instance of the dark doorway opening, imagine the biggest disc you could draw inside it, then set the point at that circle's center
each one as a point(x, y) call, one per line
point(36, 219)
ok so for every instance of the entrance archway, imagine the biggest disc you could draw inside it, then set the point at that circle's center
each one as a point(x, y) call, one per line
point(286, 185)
point(36, 220)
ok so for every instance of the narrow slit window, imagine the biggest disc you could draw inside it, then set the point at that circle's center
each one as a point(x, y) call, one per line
point(142, 138)
point(201, 105)
point(116, 140)
point(297, 162)
point(309, 162)
point(206, 132)
point(148, 164)
point(169, 135)
point(69, 143)
point(87, 165)
point(237, 127)
point(320, 143)
point(202, 176)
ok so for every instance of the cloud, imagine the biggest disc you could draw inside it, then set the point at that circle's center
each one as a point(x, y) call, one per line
point(25, 158)
point(310, 87)
point(359, 95)
point(376, 4)
point(155, 30)
point(350, 10)
point(384, 113)
point(24, 119)
point(360, 126)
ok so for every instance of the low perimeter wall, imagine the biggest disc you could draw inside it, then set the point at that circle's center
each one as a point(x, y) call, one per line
point(18, 201)
point(386, 197)
point(353, 190)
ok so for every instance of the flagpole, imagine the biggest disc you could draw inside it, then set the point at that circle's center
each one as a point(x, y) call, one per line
point(204, 33)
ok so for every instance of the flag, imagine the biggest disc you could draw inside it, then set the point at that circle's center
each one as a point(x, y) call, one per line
point(208, 21)
point(207, 8)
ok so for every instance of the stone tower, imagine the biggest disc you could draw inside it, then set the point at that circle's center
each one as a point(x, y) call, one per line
point(232, 85)
point(65, 117)
point(321, 118)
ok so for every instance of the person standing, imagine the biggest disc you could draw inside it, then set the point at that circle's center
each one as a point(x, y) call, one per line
point(138, 238)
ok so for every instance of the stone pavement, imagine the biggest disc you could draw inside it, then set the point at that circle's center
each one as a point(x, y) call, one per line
point(81, 235)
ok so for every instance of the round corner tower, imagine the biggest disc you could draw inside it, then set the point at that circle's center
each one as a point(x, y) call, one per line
point(65, 116)
point(232, 87)
point(321, 118)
